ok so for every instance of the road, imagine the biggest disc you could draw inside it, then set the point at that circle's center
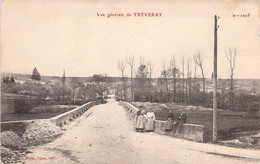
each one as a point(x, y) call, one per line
point(104, 134)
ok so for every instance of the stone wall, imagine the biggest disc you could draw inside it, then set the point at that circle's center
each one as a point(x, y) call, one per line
point(132, 110)
point(189, 131)
point(64, 118)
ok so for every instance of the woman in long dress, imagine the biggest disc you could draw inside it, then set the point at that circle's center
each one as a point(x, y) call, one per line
point(140, 120)
point(169, 121)
point(150, 116)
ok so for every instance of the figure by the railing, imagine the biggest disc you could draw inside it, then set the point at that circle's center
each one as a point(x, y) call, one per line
point(176, 125)
point(150, 117)
point(182, 118)
point(140, 120)
point(169, 121)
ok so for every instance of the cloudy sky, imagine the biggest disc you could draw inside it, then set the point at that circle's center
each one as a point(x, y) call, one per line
point(68, 34)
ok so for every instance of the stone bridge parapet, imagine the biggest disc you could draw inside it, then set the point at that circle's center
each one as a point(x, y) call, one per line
point(19, 127)
point(189, 131)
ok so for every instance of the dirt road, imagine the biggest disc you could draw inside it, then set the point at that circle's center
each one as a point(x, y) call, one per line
point(104, 134)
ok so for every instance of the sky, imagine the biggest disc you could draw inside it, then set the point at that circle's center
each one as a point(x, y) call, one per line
point(69, 35)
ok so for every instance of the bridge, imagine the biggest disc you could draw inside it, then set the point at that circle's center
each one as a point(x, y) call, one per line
point(105, 134)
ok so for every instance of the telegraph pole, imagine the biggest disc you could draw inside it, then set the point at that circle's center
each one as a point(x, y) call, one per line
point(215, 114)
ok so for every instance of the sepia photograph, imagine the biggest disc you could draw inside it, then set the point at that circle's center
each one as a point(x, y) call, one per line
point(124, 82)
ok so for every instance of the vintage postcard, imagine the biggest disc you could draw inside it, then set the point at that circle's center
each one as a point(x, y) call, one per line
point(123, 82)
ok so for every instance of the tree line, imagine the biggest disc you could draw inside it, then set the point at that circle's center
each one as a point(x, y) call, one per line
point(184, 84)
point(60, 90)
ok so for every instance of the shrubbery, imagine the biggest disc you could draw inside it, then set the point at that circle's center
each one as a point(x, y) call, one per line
point(24, 105)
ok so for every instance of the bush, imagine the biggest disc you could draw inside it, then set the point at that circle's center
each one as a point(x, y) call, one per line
point(24, 105)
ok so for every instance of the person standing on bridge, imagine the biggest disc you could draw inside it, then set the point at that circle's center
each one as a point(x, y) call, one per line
point(150, 116)
point(140, 120)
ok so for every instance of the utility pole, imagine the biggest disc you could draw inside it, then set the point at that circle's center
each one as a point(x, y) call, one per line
point(215, 114)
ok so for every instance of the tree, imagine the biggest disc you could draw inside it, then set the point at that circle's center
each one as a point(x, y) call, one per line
point(4, 79)
point(183, 80)
point(36, 75)
point(87, 91)
point(8, 80)
point(195, 82)
point(12, 79)
point(141, 82)
point(101, 84)
point(150, 70)
point(35, 90)
point(164, 74)
point(174, 72)
point(74, 86)
point(57, 91)
point(122, 66)
point(231, 56)
point(160, 82)
point(130, 61)
point(188, 81)
point(179, 86)
point(9, 87)
point(198, 59)
point(63, 81)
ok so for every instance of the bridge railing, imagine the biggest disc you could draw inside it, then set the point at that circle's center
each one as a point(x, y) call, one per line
point(19, 127)
point(189, 131)
point(64, 118)
point(132, 110)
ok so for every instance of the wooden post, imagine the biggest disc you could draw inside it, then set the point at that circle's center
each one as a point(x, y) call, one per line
point(215, 82)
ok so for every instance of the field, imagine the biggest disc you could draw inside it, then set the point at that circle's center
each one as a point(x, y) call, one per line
point(230, 124)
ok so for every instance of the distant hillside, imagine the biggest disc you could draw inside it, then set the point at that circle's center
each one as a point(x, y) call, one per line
point(245, 84)
point(24, 77)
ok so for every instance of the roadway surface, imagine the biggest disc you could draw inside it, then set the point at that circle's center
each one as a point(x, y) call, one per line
point(104, 134)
